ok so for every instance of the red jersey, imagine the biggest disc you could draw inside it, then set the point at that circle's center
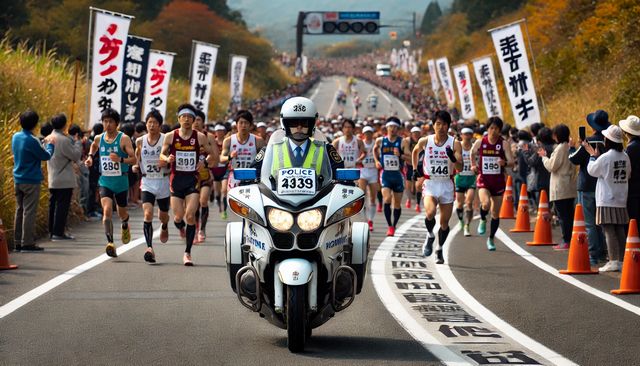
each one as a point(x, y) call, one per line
point(491, 174)
point(187, 153)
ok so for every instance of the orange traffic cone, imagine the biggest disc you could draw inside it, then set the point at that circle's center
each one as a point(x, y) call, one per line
point(4, 251)
point(522, 218)
point(578, 262)
point(542, 232)
point(630, 280)
point(506, 210)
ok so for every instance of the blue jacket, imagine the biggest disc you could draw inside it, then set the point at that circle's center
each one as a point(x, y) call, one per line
point(28, 155)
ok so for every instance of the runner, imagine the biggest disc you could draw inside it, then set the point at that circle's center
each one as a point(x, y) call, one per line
point(205, 180)
point(465, 183)
point(492, 155)
point(442, 153)
point(155, 181)
point(369, 175)
point(389, 153)
point(348, 146)
point(182, 150)
point(220, 172)
point(115, 153)
point(410, 188)
point(239, 150)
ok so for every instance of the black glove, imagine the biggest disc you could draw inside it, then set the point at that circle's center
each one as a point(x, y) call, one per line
point(450, 154)
point(416, 175)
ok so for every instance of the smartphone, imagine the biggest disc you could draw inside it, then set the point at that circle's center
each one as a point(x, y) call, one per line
point(582, 131)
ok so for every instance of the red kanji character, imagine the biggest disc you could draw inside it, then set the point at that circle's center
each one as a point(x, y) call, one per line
point(110, 47)
point(158, 74)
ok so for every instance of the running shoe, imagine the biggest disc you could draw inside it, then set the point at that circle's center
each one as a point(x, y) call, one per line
point(461, 223)
point(439, 256)
point(561, 247)
point(186, 259)
point(418, 210)
point(370, 225)
point(408, 204)
point(149, 256)
point(126, 235)
point(482, 227)
point(427, 246)
point(224, 215)
point(164, 235)
point(200, 238)
point(611, 266)
point(111, 250)
point(379, 208)
point(466, 230)
point(490, 245)
point(391, 231)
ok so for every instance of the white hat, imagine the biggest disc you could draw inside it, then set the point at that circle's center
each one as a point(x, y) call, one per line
point(466, 130)
point(334, 121)
point(613, 133)
point(631, 125)
point(271, 129)
point(368, 129)
point(233, 123)
point(416, 129)
point(220, 128)
point(261, 124)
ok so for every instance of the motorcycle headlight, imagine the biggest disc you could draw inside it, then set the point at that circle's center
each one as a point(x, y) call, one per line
point(347, 211)
point(280, 220)
point(310, 220)
point(245, 211)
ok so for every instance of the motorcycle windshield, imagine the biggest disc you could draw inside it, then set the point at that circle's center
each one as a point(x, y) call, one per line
point(295, 185)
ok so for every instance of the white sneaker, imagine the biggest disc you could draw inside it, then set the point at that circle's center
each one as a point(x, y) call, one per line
point(611, 266)
point(466, 230)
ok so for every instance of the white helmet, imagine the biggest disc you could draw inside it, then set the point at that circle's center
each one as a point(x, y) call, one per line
point(296, 110)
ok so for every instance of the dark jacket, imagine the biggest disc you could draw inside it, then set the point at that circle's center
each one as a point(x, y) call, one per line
point(539, 177)
point(580, 156)
point(633, 150)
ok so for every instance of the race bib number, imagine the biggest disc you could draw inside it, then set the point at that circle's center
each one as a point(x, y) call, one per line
point(369, 162)
point(490, 165)
point(296, 181)
point(466, 167)
point(109, 167)
point(152, 169)
point(391, 163)
point(242, 162)
point(185, 161)
point(439, 168)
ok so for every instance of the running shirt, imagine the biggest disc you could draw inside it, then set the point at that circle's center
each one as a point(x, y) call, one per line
point(369, 162)
point(245, 152)
point(390, 161)
point(186, 152)
point(466, 163)
point(113, 175)
point(348, 151)
point(491, 174)
point(436, 163)
point(154, 178)
point(204, 174)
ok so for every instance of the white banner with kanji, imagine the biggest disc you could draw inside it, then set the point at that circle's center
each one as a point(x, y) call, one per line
point(109, 40)
point(435, 85)
point(486, 78)
point(514, 63)
point(442, 66)
point(238, 66)
point(463, 82)
point(157, 84)
point(203, 64)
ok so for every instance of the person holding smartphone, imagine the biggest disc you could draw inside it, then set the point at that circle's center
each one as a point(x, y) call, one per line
point(598, 121)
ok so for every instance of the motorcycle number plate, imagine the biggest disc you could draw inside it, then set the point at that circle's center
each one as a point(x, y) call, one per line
point(296, 181)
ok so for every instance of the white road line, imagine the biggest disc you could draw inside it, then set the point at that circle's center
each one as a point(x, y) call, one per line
point(395, 308)
point(26, 298)
point(407, 111)
point(447, 275)
point(333, 100)
point(567, 278)
point(313, 95)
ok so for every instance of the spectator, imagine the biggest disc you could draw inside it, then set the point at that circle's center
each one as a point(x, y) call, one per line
point(522, 169)
point(28, 155)
point(562, 190)
point(612, 169)
point(599, 121)
point(62, 178)
point(83, 171)
point(93, 208)
point(631, 127)
point(538, 177)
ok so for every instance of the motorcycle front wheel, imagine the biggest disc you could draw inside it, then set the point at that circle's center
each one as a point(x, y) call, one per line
point(296, 318)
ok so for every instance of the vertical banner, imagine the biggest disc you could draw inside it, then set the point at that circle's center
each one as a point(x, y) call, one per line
point(238, 65)
point(442, 66)
point(136, 62)
point(435, 85)
point(393, 58)
point(463, 82)
point(413, 64)
point(109, 39)
point(514, 63)
point(486, 79)
point(203, 64)
point(305, 65)
point(157, 83)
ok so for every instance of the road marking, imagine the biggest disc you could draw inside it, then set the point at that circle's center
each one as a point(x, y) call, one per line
point(315, 92)
point(445, 272)
point(395, 308)
point(26, 298)
point(333, 99)
point(407, 111)
point(567, 278)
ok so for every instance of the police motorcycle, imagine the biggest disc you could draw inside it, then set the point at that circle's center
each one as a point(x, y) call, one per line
point(296, 258)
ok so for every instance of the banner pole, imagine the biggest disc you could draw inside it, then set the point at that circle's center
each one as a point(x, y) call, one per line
point(75, 88)
point(535, 69)
point(87, 118)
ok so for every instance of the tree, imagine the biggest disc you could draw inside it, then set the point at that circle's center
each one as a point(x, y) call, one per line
point(480, 12)
point(430, 18)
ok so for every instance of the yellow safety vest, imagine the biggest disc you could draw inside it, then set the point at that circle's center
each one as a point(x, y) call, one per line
point(282, 159)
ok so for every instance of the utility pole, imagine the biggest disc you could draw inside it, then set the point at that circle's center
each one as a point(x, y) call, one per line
point(414, 25)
